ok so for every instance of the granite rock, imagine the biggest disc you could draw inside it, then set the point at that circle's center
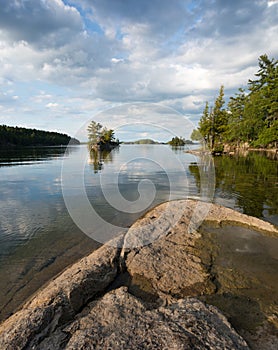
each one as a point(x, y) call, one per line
point(122, 321)
point(85, 307)
point(60, 300)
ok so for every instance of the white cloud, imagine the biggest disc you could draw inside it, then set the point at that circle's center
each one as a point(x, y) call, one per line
point(52, 105)
point(75, 62)
point(272, 2)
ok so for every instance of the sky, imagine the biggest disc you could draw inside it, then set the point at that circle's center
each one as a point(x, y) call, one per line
point(142, 67)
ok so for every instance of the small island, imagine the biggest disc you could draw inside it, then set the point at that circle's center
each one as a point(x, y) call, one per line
point(101, 138)
point(179, 141)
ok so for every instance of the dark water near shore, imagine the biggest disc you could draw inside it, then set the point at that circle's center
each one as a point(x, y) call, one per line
point(38, 237)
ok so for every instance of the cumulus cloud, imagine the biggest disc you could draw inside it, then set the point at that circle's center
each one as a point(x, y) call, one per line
point(80, 55)
point(38, 22)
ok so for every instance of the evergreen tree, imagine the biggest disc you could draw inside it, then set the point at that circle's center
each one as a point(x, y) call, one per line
point(94, 132)
point(196, 135)
point(235, 131)
point(107, 135)
point(264, 100)
point(251, 117)
point(213, 123)
point(220, 119)
point(205, 124)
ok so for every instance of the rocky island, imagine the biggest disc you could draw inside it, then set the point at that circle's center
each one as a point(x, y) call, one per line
point(163, 285)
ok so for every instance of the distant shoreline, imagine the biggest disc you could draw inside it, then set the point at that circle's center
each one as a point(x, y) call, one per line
point(14, 137)
point(19, 147)
point(152, 142)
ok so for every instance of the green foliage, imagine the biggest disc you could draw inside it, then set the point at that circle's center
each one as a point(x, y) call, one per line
point(15, 136)
point(213, 123)
point(236, 105)
point(94, 132)
point(101, 136)
point(108, 135)
point(196, 135)
point(250, 117)
point(205, 124)
point(268, 136)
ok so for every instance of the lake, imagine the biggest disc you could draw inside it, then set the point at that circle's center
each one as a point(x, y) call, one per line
point(45, 194)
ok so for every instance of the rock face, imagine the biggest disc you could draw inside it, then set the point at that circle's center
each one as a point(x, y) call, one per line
point(87, 307)
point(122, 321)
point(171, 263)
point(60, 300)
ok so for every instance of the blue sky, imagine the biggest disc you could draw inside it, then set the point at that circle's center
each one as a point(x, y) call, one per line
point(126, 62)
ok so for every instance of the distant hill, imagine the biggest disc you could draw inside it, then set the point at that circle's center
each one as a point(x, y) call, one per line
point(22, 137)
point(142, 142)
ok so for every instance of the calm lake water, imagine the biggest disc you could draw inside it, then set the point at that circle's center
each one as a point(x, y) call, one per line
point(38, 237)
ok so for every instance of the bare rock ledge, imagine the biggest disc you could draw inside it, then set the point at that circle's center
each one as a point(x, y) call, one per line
point(145, 295)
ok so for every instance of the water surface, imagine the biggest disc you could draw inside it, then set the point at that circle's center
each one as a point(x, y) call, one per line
point(38, 237)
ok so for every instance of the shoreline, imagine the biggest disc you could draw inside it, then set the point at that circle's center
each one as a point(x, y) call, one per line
point(239, 151)
point(68, 293)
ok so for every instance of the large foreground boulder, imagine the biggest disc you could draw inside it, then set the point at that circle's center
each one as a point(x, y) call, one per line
point(141, 291)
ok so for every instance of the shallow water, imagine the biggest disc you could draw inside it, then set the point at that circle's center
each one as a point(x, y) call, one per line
point(245, 270)
point(38, 237)
point(251, 252)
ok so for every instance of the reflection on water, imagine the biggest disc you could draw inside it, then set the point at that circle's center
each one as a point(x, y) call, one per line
point(246, 183)
point(98, 158)
point(30, 155)
point(115, 193)
point(37, 235)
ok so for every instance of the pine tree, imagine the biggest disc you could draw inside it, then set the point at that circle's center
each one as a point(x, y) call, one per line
point(213, 123)
point(264, 96)
point(220, 118)
point(94, 132)
point(205, 124)
point(235, 131)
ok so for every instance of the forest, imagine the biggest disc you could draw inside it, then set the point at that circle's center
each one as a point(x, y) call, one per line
point(251, 116)
point(23, 137)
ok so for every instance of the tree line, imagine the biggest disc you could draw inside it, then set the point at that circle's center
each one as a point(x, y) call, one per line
point(23, 137)
point(251, 116)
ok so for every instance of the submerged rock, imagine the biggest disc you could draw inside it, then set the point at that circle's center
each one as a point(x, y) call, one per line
point(162, 265)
